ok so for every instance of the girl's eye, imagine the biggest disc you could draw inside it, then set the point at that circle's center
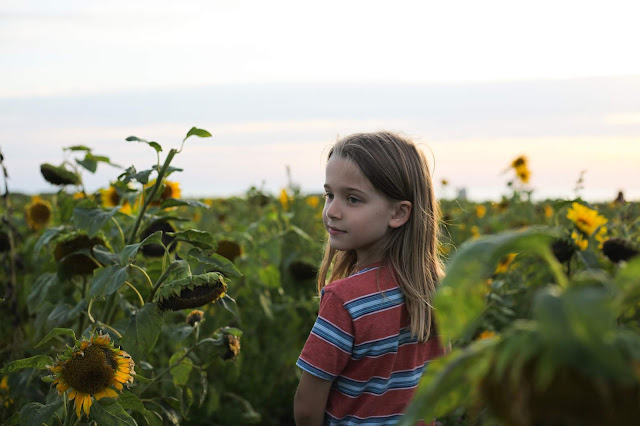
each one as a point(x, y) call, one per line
point(328, 195)
point(353, 200)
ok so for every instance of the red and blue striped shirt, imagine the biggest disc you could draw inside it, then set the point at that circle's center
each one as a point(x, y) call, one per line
point(361, 341)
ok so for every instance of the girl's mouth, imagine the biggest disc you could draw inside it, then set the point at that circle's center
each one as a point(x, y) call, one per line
point(335, 231)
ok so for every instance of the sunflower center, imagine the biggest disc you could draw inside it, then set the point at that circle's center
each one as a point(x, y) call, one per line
point(114, 198)
point(90, 373)
point(40, 213)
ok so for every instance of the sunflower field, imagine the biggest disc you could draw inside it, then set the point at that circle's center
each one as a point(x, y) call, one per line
point(135, 306)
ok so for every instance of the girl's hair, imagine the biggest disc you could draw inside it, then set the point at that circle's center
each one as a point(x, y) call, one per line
point(398, 169)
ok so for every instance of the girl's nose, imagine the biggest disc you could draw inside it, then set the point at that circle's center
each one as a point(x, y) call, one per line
point(332, 210)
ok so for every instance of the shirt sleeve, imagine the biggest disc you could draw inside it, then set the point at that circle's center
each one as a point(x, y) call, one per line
point(330, 343)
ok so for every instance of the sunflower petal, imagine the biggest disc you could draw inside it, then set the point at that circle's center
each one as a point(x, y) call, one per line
point(86, 404)
point(79, 400)
point(72, 394)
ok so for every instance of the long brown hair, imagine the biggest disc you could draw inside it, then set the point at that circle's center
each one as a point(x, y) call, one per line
point(396, 167)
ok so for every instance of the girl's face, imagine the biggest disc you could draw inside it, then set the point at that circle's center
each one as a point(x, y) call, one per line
point(356, 215)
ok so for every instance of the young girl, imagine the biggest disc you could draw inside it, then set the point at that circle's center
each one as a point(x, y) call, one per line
point(375, 329)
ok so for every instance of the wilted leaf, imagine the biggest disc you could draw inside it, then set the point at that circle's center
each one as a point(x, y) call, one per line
point(38, 362)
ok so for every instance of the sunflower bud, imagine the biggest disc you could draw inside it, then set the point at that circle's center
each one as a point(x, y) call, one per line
point(619, 249)
point(232, 345)
point(58, 175)
point(195, 317)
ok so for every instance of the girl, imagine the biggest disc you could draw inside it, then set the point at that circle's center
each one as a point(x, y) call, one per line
point(375, 329)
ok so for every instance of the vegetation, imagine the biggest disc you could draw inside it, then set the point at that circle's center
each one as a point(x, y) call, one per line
point(132, 305)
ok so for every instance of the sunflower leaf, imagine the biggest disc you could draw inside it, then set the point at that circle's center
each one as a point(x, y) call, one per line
point(194, 131)
point(92, 219)
point(215, 262)
point(39, 362)
point(173, 202)
point(130, 251)
point(143, 331)
point(195, 237)
point(57, 332)
point(129, 401)
point(181, 369)
point(108, 280)
point(111, 413)
point(154, 145)
point(46, 237)
point(36, 414)
point(77, 148)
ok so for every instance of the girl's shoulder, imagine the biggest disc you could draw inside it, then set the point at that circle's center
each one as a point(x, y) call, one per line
point(364, 282)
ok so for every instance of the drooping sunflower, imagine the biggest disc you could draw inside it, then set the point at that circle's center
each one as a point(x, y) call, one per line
point(585, 219)
point(38, 213)
point(94, 369)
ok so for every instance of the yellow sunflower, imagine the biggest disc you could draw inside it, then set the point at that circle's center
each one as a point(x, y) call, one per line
point(480, 211)
point(523, 173)
point(585, 219)
point(170, 190)
point(38, 213)
point(548, 211)
point(581, 242)
point(284, 199)
point(95, 369)
point(111, 198)
point(505, 262)
point(313, 201)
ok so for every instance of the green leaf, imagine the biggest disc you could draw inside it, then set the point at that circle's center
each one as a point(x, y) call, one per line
point(197, 238)
point(104, 256)
point(130, 401)
point(197, 132)
point(154, 145)
point(214, 262)
point(447, 383)
point(129, 252)
point(142, 332)
point(131, 174)
point(39, 362)
point(36, 414)
point(459, 299)
point(182, 370)
point(174, 202)
point(41, 288)
point(77, 148)
point(110, 413)
point(46, 237)
point(14, 419)
point(92, 219)
point(88, 163)
point(57, 332)
point(108, 280)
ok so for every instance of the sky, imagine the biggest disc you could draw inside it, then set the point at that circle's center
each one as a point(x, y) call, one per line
point(474, 83)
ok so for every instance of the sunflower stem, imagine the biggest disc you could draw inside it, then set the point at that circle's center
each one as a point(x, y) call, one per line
point(136, 291)
point(101, 324)
point(124, 239)
point(143, 273)
point(153, 193)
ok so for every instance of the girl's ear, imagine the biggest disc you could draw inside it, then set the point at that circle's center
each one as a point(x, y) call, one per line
point(401, 214)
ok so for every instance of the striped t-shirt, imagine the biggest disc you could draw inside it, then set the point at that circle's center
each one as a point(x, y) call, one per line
point(362, 343)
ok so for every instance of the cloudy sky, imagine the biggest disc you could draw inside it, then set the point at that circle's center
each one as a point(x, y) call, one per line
point(476, 83)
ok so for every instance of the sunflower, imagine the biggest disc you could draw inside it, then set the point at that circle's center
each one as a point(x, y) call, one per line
point(94, 369)
point(581, 242)
point(284, 199)
point(523, 173)
point(585, 219)
point(486, 334)
point(505, 262)
point(519, 162)
point(111, 198)
point(232, 344)
point(195, 317)
point(38, 213)
point(58, 175)
point(480, 211)
point(229, 249)
point(313, 201)
point(548, 211)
